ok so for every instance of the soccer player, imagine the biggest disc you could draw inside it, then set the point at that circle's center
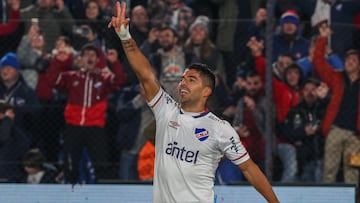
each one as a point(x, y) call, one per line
point(190, 140)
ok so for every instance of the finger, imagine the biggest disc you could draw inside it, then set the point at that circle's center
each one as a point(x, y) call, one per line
point(123, 11)
point(110, 24)
point(118, 9)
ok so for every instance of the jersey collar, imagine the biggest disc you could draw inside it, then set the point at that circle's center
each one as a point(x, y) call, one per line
point(195, 115)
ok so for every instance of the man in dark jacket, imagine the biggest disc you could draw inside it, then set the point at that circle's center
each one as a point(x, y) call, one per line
point(14, 91)
point(302, 129)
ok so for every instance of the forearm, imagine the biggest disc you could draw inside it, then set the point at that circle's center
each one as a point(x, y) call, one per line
point(256, 178)
point(141, 67)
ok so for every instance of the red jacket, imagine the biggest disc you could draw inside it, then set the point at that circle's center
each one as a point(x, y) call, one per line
point(87, 92)
point(335, 81)
point(284, 98)
point(11, 26)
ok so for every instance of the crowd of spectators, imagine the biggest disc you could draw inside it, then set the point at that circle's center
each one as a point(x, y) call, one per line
point(72, 110)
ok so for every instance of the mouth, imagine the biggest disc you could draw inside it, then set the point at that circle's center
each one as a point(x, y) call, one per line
point(184, 91)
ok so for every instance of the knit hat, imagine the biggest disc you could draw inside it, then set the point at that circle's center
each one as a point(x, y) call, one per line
point(202, 21)
point(10, 59)
point(290, 16)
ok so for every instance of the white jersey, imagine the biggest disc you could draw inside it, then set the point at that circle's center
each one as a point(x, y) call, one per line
point(188, 149)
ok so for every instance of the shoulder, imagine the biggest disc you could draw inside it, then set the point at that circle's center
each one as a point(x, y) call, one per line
point(217, 123)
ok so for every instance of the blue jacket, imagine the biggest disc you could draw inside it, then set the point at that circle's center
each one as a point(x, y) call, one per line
point(24, 101)
point(297, 48)
point(308, 69)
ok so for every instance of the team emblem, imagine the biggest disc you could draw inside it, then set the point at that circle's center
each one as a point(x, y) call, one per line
point(201, 134)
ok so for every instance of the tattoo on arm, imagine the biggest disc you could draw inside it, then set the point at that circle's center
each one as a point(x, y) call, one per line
point(128, 45)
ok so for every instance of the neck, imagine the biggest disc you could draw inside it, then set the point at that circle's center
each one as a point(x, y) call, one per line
point(193, 108)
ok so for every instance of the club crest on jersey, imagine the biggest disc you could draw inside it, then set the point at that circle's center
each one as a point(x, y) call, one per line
point(201, 134)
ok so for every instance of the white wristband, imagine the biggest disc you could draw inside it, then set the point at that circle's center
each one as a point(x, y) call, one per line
point(124, 33)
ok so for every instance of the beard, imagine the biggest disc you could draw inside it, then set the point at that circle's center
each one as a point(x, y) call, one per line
point(168, 47)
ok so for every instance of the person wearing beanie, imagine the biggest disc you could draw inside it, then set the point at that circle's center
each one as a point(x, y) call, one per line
point(15, 91)
point(11, 60)
point(200, 44)
point(290, 16)
point(289, 39)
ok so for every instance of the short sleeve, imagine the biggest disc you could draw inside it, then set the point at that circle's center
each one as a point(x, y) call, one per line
point(230, 144)
point(162, 103)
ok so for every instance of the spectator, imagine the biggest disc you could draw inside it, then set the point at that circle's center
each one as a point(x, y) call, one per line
point(36, 168)
point(239, 87)
point(281, 93)
point(170, 60)
point(200, 43)
point(95, 19)
point(140, 26)
point(249, 120)
point(14, 91)
point(13, 144)
point(87, 89)
point(179, 17)
point(258, 25)
point(286, 149)
point(341, 124)
point(302, 129)
point(53, 17)
point(289, 39)
point(32, 56)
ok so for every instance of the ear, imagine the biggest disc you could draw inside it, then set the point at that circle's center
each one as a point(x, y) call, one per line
point(207, 91)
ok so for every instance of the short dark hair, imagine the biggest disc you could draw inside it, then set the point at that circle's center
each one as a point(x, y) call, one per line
point(353, 52)
point(252, 73)
point(34, 159)
point(90, 47)
point(205, 72)
point(312, 80)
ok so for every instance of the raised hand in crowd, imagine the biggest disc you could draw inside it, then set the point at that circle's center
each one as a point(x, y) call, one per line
point(153, 35)
point(10, 114)
point(322, 91)
point(112, 55)
point(250, 103)
point(260, 16)
point(256, 46)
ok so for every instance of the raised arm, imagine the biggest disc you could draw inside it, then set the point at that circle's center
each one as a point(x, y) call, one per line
point(137, 60)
